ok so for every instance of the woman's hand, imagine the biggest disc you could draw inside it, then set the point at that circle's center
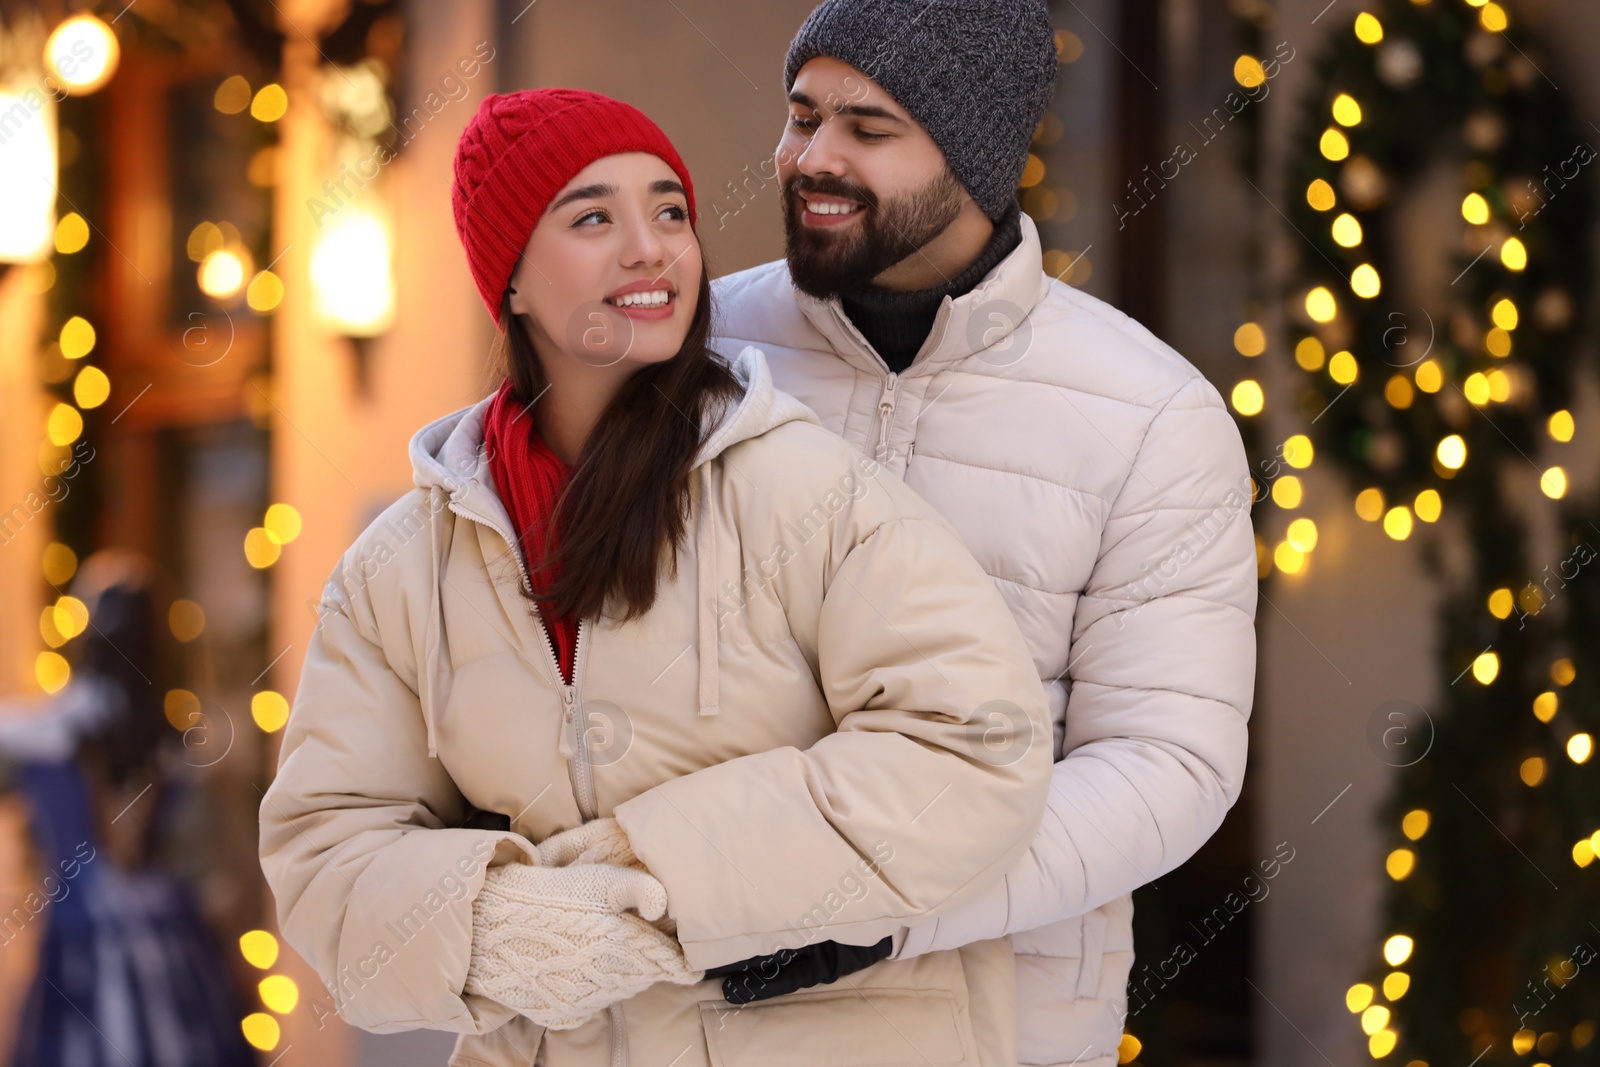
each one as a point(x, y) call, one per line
point(558, 943)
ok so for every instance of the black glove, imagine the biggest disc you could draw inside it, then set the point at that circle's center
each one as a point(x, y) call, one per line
point(789, 970)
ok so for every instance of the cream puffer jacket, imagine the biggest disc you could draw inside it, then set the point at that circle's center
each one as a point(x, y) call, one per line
point(827, 726)
point(1102, 484)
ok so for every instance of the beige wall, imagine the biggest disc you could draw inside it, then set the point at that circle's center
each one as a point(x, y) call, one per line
point(709, 73)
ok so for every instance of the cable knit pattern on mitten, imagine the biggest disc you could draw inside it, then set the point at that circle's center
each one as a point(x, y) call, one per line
point(557, 944)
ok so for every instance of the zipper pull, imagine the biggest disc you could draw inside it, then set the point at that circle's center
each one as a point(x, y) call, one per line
point(885, 409)
point(567, 722)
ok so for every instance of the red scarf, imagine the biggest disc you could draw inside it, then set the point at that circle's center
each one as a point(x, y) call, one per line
point(529, 477)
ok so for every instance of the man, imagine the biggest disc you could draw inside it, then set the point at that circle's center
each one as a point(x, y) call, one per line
point(1092, 471)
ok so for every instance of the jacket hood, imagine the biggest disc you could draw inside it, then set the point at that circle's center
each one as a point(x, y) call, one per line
point(449, 462)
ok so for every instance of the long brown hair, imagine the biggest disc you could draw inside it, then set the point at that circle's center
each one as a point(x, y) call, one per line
point(624, 511)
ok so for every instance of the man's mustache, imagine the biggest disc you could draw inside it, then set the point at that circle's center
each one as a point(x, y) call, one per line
point(839, 187)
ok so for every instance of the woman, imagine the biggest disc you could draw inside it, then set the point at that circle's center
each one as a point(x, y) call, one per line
point(747, 691)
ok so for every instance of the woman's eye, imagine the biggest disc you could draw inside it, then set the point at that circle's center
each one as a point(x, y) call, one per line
point(583, 219)
point(679, 214)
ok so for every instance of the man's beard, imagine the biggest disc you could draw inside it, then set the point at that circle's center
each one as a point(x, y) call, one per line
point(825, 262)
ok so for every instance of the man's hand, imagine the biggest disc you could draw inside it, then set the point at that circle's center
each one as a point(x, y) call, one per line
point(789, 970)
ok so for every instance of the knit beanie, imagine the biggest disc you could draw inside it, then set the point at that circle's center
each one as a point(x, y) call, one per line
point(976, 74)
point(519, 151)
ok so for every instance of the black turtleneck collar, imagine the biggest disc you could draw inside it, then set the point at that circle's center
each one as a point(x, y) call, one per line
point(896, 324)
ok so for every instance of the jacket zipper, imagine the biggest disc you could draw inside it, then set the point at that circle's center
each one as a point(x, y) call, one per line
point(885, 413)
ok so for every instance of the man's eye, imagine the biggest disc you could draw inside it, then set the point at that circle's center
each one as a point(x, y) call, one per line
point(803, 124)
point(868, 136)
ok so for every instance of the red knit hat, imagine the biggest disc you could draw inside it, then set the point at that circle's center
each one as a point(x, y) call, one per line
point(519, 151)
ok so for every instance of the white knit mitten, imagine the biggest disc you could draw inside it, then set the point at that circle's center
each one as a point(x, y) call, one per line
point(557, 943)
point(596, 841)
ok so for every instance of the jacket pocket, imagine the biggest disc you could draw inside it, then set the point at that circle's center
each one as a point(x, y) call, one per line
point(516, 1044)
point(872, 1028)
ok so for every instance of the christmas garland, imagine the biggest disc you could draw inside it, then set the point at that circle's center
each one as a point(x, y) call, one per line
point(1436, 399)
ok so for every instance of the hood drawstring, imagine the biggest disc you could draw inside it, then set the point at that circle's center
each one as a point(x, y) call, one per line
point(706, 564)
point(433, 641)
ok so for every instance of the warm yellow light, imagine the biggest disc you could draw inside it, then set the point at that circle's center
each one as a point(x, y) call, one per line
point(265, 292)
point(1505, 315)
point(1298, 451)
point(1347, 231)
point(1486, 667)
point(91, 387)
point(1396, 984)
point(1303, 535)
point(186, 620)
point(1583, 853)
point(70, 616)
point(1320, 305)
point(1501, 603)
point(1531, 771)
point(51, 671)
point(1545, 706)
point(1346, 112)
point(1553, 483)
point(82, 54)
point(1415, 824)
point(279, 993)
point(64, 424)
point(1561, 425)
point(1493, 18)
point(1288, 559)
point(1374, 1018)
point(28, 176)
point(1475, 209)
point(1248, 399)
point(1287, 492)
point(204, 239)
point(261, 1030)
point(259, 948)
point(60, 563)
point(1522, 1041)
point(232, 96)
point(222, 273)
point(47, 628)
point(1319, 194)
point(1400, 863)
point(1335, 146)
point(1562, 672)
point(1452, 452)
point(1365, 282)
point(284, 522)
point(1250, 339)
point(1428, 505)
point(1032, 172)
point(1382, 1043)
point(1128, 1048)
point(1368, 29)
point(1399, 392)
point(76, 338)
point(261, 548)
point(1397, 522)
point(1358, 997)
point(270, 710)
point(1499, 385)
point(1369, 504)
point(351, 274)
point(1580, 747)
point(182, 709)
point(1398, 949)
point(1310, 354)
point(1497, 343)
point(1343, 368)
point(72, 233)
point(1248, 71)
point(1514, 254)
point(270, 104)
point(1476, 388)
point(1430, 378)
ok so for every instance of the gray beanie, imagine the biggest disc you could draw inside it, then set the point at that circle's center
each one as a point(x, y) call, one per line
point(976, 74)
